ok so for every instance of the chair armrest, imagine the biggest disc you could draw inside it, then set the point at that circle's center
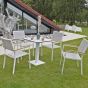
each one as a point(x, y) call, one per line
point(19, 47)
point(16, 42)
point(19, 40)
point(69, 45)
point(71, 51)
point(82, 53)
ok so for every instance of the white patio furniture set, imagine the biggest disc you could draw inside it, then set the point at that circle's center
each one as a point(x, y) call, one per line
point(17, 52)
point(13, 52)
point(14, 46)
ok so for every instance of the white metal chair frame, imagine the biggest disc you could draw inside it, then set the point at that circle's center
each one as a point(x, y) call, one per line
point(78, 55)
point(13, 52)
point(56, 39)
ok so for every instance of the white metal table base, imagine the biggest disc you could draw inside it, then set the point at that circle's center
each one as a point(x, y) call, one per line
point(36, 63)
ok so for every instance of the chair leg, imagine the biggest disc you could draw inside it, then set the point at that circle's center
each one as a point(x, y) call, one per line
point(63, 66)
point(29, 59)
point(33, 49)
point(61, 59)
point(4, 61)
point(52, 53)
point(81, 68)
point(14, 64)
point(61, 49)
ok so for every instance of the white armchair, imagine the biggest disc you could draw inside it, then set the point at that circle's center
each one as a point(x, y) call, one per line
point(11, 51)
point(78, 55)
point(56, 38)
point(52, 40)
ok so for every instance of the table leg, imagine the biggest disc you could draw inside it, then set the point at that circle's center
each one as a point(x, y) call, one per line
point(37, 61)
point(37, 52)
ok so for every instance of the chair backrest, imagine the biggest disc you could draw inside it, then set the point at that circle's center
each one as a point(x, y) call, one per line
point(7, 43)
point(57, 36)
point(19, 35)
point(83, 46)
point(66, 27)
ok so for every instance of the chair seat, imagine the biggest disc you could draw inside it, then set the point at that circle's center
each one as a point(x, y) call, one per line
point(73, 56)
point(22, 45)
point(17, 54)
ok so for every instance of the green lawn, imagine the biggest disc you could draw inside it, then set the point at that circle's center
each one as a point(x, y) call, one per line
point(47, 75)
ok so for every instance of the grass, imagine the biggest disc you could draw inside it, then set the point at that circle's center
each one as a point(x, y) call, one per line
point(47, 75)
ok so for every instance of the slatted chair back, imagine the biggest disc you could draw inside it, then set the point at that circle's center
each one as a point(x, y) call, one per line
point(83, 46)
point(57, 36)
point(7, 43)
point(19, 35)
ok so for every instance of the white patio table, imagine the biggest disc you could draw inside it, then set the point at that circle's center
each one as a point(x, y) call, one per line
point(37, 42)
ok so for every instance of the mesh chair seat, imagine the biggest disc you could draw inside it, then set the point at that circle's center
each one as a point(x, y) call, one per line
point(73, 56)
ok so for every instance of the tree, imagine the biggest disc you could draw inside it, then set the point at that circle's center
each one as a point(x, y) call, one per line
point(67, 11)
